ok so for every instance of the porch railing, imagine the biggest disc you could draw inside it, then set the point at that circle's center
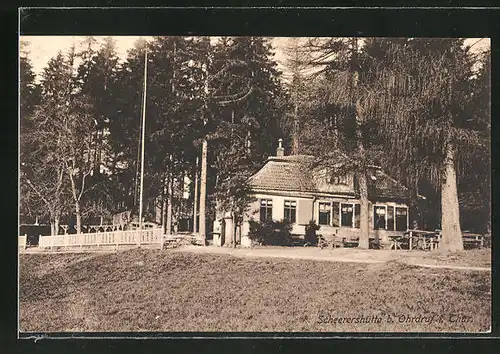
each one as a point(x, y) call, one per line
point(150, 236)
point(22, 241)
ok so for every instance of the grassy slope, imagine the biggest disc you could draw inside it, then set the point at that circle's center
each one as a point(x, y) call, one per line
point(150, 290)
point(472, 258)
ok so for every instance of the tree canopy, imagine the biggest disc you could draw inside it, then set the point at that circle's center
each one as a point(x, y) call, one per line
point(417, 107)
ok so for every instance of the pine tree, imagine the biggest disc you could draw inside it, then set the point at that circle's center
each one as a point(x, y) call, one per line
point(44, 167)
point(337, 62)
point(29, 91)
point(177, 108)
point(474, 165)
point(422, 102)
point(63, 138)
point(298, 94)
point(244, 92)
point(124, 129)
point(172, 119)
point(96, 79)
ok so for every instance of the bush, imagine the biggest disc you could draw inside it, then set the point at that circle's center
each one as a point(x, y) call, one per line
point(275, 233)
point(310, 236)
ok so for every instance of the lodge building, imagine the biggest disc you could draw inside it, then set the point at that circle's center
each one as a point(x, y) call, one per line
point(291, 188)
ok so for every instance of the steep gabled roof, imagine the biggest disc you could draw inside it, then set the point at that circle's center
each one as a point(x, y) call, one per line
point(381, 185)
point(287, 173)
point(294, 174)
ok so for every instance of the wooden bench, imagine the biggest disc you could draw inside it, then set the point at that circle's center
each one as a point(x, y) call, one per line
point(429, 240)
point(473, 240)
point(351, 242)
point(297, 240)
point(338, 241)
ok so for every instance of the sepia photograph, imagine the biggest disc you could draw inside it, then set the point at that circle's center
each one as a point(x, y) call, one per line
point(254, 184)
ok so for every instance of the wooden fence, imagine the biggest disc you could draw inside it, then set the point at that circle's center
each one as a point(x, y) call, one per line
point(152, 236)
point(22, 241)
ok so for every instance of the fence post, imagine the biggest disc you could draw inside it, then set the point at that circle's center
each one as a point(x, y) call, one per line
point(25, 241)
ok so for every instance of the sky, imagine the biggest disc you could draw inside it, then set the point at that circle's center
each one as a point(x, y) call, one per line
point(43, 48)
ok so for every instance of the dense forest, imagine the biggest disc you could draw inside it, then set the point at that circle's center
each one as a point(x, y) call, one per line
point(215, 108)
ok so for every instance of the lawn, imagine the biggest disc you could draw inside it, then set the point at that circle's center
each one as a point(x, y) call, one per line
point(153, 290)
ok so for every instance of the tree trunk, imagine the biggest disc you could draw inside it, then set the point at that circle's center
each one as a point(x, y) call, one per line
point(364, 237)
point(168, 225)
point(228, 230)
point(94, 157)
point(76, 200)
point(164, 205)
point(56, 224)
point(235, 230)
point(52, 226)
point(78, 215)
point(237, 233)
point(249, 144)
point(295, 143)
point(195, 202)
point(451, 240)
point(203, 189)
point(100, 134)
point(335, 132)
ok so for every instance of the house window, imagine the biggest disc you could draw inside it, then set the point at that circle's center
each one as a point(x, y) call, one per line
point(342, 179)
point(266, 210)
point(290, 210)
point(390, 218)
point(325, 210)
point(346, 212)
point(335, 214)
point(379, 217)
point(357, 215)
point(401, 219)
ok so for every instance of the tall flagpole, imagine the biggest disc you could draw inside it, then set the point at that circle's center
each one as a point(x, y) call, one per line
point(143, 136)
point(203, 177)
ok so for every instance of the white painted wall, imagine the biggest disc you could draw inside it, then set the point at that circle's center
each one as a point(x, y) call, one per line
point(278, 211)
point(349, 232)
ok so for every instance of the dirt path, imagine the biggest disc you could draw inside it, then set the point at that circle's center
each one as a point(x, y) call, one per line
point(278, 252)
point(480, 269)
point(352, 255)
point(468, 261)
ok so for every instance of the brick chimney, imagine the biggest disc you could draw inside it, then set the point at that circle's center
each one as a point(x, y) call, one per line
point(280, 152)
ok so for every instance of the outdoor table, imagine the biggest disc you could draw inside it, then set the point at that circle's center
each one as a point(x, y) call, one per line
point(424, 240)
point(434, 242)
point(413, 238)
point(428, 242)
point(396, 241)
